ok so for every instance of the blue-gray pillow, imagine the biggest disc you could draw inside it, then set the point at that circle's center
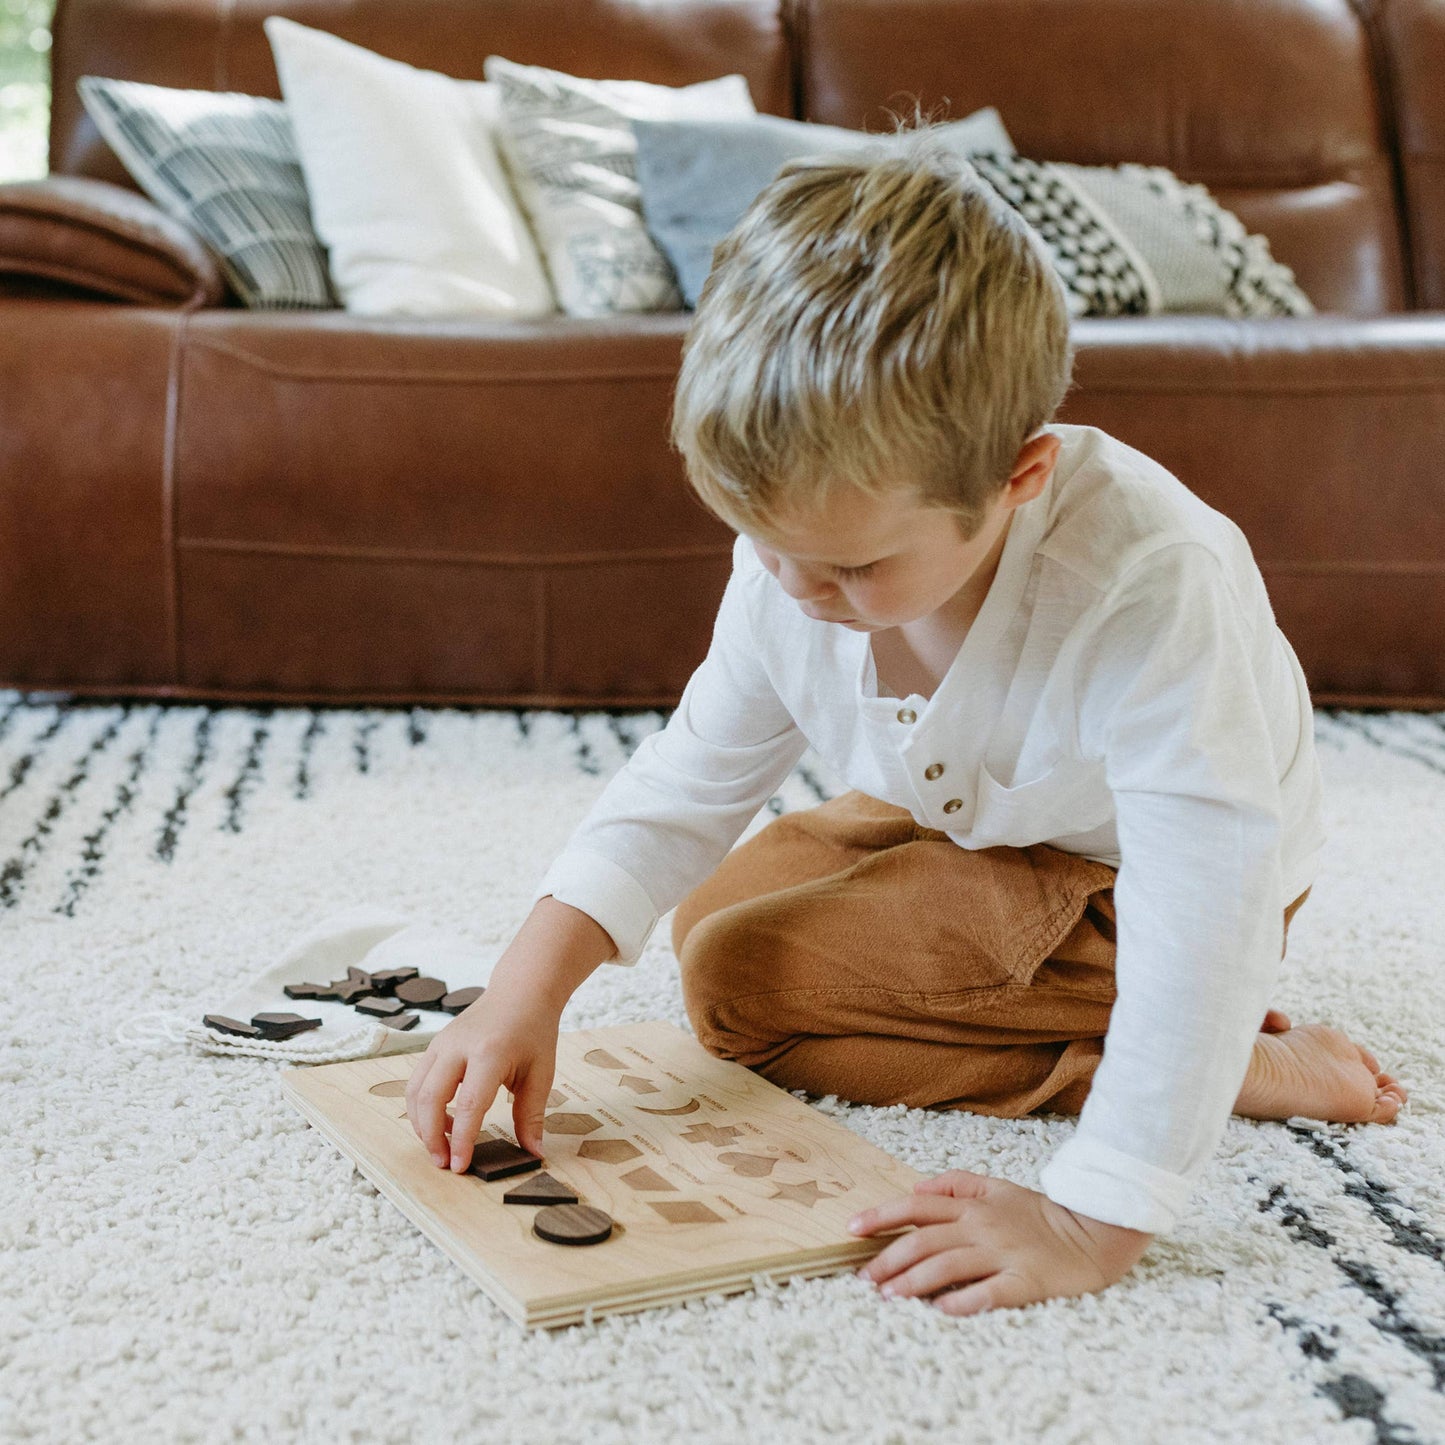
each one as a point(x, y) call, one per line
point(698, 176)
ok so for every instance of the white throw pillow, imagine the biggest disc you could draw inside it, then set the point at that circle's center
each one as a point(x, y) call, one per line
point(407, 191)
point(569, 146)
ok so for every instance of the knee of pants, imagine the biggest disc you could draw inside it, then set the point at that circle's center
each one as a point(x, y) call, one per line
point(716, 962)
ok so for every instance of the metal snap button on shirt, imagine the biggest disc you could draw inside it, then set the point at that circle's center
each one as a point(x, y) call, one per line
point(907, 715)
point(953, 805)
point(932, 771)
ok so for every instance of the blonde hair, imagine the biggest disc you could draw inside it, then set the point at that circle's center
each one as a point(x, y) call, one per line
point(873, 320)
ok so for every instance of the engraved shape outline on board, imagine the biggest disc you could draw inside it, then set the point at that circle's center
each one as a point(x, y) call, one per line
point(609, 1151)
point(800, 1193)
point(750, 1166)
point(647, 1178)
point(691, 1107)
point(710, 1133)
point(685, 1211)
point(601, 1059)
point(638, 1085)
point(566, 1123)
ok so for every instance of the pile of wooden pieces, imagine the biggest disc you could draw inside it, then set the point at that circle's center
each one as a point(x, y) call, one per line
point(384, 996)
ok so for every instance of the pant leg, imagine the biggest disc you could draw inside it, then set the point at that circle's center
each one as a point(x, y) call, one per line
point(847, 950)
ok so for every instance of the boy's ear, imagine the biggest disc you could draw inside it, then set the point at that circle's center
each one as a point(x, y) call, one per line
point(1033, 468)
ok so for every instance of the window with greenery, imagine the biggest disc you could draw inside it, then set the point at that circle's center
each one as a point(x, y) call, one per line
point(24, 87)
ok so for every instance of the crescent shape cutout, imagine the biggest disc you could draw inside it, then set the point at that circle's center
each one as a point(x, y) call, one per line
point(687, 1108)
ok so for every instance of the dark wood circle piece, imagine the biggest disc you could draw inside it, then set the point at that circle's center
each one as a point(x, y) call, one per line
point(421, 992)
point(572, 1224)
point(460, 998)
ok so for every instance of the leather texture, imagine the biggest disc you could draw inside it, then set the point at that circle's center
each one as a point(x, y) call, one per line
point(202, 501)
point(102, 239)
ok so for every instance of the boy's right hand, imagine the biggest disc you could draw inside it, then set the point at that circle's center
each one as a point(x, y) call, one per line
point(500, 1040)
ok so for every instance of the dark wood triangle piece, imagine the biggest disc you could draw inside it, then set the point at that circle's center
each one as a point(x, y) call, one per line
point(540, 1189)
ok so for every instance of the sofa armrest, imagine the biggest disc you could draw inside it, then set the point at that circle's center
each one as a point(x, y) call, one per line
point(63, 233)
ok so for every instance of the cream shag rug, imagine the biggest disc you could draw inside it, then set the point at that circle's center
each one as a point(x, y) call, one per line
point(186, 1259)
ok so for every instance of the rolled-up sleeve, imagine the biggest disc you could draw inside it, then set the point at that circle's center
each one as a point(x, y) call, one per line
point(1167, 699)
point(669, 815)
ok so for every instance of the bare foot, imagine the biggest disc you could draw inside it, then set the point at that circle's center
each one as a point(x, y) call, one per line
point(1316, 1071)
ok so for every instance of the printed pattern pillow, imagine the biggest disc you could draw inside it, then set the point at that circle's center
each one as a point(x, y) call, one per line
point(225, 164)
point(569, 146)
point(1136, 240)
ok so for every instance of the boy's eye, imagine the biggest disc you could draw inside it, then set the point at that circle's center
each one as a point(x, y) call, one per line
point(856, 571)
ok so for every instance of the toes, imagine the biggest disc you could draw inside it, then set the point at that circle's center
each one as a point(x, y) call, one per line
point(1371, 1062)
point(1386, 1107)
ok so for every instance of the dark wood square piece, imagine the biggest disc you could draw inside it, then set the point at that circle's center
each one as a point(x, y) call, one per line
point(497, 1158)
point(304, 990)
point(402, 1021)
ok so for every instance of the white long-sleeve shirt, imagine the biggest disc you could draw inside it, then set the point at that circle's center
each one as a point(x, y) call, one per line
point(1125, 694)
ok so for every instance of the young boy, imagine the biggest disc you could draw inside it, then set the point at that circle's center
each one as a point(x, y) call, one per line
point(1084, 801)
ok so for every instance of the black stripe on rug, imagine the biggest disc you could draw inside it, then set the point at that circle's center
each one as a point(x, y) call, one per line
point(174, 822)
point(1391, 1322)
point(361, 746)
point(92, 851)
point(314, 728)
point(586, 758)
point(814, 786)
point(1352, 1395)
point(250, 773)
point(415, 727)
point(523, 718)
point(1360, 728)
point(1380, 1199)
point(12, 873)
point(20, 768)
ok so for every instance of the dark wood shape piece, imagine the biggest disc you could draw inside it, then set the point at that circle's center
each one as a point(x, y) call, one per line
point(283, 1026)
point(380, 1007)
point(387, 979)
point(422, 992)
point(540, 1189)
point(460, 998)
point(224, 1025)
point(402, 1021)
point(572, 1224)
point(306, 990)
point(497, 1158)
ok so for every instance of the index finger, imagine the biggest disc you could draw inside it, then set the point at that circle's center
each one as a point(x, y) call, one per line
point(474, 1098)
point(911, 1209)
point(427, 1107)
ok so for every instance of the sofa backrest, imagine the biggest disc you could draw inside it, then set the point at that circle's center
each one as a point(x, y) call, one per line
point(220, 45)
point(1272, 104)
point(1411, 37)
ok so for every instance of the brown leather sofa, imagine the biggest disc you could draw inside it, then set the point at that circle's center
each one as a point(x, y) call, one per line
point(200, 501)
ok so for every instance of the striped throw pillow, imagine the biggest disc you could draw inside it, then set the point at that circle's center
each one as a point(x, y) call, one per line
point(224, 163)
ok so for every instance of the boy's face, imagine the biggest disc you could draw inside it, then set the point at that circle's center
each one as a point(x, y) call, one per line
point(870, 563)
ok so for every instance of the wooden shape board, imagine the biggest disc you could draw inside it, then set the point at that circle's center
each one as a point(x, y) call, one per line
point(753, 1180)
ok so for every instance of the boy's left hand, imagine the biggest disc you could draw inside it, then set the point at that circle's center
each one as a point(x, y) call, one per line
point(1005, 1245)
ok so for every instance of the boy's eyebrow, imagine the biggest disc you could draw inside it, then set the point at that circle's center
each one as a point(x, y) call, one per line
point(847, 565)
